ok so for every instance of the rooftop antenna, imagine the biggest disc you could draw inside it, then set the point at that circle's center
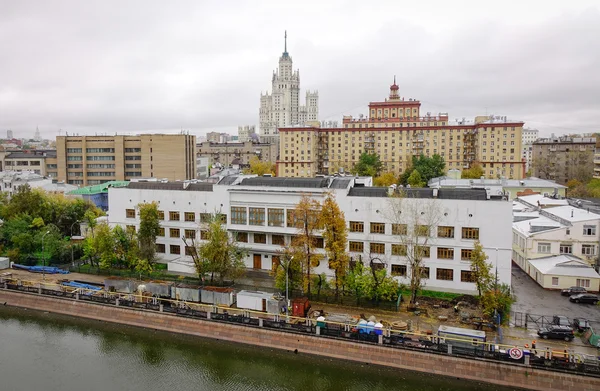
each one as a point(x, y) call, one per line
point(285, 42)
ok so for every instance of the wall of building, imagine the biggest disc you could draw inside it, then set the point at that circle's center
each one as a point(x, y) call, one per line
point(478, 370)
point(226, 153)
point(563, 159)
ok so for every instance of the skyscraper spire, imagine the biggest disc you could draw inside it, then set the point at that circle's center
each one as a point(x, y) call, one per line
point(285, 43)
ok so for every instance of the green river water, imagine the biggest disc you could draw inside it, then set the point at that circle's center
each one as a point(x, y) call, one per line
point(41, 351)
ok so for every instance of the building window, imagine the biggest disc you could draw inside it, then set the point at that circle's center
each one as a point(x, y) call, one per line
point(130, 228)
point(241, 237)
point(257, 216)
point(278, 240)
point(589, 230)
point(174, 232)
point(130, 213)
point(275, 217)
point(424, 272)
point(470, 233)
point(161, 215)
point(544, 248)
point(260, 238)
point(422, 230)
point(292, 221)
point(189, 216)
point(356, 247)
point(583, 283)
point(203, 234)
point(190, 233)
point(554, 281)
point(73, 150)
point(161, 231)
point(399, 270)
point(378, 228)
point(190, 250)
point(174, 216)
point(377, 248)
point(175, 249)
point(357, 226)
point(445, 232)
point(399, 249)
point(465, 254)
point(445, 253)
point(399, 229)
point(206, 217)
point(422, 251)
point(160, 248)
point(588, 249)
point(444, 274)
point(319, 243)
point(467, 276)
point(238, 215)
point(566, 248)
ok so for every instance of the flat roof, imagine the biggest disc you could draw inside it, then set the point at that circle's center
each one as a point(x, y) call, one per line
point(564, 265)
point(201, 186)
point(449, 194)
point(527, 182)
point(286, 182)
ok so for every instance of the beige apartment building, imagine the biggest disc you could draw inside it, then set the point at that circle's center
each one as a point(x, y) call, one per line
point(226, 153)
point(91, 160)
point(396, 130)
point(564, 158)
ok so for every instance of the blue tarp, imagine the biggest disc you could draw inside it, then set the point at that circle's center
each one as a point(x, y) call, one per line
point(73, 284)
point(41, 269)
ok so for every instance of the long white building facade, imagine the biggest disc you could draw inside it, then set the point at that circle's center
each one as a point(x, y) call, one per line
point(281, 108)
point(258, 211)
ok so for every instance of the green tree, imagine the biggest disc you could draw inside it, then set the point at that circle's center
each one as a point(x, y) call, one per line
point(290, 264)
point(428, 167)
point(335, 235)
point(475, 172)
point(149, 230)
point(386, 287)
point(260, 167)
point(369, 164)
point(480, 269)
point(498, 299)
point(219, 254)
point(385, 180)
point(415, 179)
point(360, 281)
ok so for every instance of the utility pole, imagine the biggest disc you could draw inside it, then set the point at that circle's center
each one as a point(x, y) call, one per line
point(44, 257)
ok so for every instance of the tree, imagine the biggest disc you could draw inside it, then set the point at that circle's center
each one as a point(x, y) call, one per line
point(413, 221)
point(475, 172)
point(415, 180)
point(385, 180)
point(260, 167)
point(149, 230)
point(306, 218)
point(335, 235)
point(480, 269)
point(497, 300)
point(290, 264)
point(369, 164)
point(360, 281)
point(428, 167)
point(543, 166)
point(219, 254)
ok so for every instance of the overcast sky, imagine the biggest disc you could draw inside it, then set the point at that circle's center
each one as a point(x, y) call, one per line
point(141, 66)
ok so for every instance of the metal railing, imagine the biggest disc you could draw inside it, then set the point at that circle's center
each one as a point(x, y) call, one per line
point(391, 337)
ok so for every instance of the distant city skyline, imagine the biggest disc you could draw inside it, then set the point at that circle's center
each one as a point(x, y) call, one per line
point(142, 67)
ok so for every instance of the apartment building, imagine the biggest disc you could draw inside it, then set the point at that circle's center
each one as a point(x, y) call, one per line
point(564, 158)
point(246, 133)
point(528, 138)
point(396, 130)
point(259, 214)
point(555, 243)
point(226, 153)
point(34, 161)
point(92, 160)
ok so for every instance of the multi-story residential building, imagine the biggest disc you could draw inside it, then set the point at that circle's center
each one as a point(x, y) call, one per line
point(396, 130)
point(34, 161)
point(226, 153)
point(529, 136)
point(259, 214)
point(564, 158)
point(216, 137)
point(92, 160)
point(9, 134)
point(556, 243)
point(281, 107)
point(247, 133)
point(597, 160)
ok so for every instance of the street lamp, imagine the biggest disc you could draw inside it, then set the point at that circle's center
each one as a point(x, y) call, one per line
point(72, 257)
point(44, 257)
point(287, 274)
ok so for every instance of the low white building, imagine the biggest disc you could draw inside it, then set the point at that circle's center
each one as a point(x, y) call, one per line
point(259, 210)
point(563, 271)
point(11, 181)
point(543, 229)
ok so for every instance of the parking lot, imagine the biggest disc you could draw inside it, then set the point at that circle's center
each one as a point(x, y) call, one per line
point(533, 299)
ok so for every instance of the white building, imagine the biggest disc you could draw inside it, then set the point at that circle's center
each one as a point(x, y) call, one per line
point(258, 210)
point(528, 136)
point(11, 181)
point(544, 230)
point(202, 164)
point(246, 133)
point(281, 108)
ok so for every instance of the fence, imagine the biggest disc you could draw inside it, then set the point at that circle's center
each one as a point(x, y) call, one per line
point(527, 320)
point(388, 336)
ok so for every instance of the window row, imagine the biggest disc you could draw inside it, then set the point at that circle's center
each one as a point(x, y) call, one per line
point(276, 240)
point(567, 248)
point(440, 273)
point(273, 217)
point(401, 250)
point(190, 216)
point(419, 230)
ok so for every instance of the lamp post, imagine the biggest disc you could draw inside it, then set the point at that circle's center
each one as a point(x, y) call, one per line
point(496, 288)
point(72, 257)
point(287, 274)
point(44, 256)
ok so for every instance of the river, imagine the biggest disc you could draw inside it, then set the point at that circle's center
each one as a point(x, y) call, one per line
point(42, 351)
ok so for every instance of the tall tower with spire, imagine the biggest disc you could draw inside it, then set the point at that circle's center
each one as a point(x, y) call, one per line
point(281, 107)
point(37, 136)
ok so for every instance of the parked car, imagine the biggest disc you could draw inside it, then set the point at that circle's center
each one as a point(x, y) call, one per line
point(585, 298)
point(557, 332)
point(574, 290)
point(560, 320)
point(581, 324)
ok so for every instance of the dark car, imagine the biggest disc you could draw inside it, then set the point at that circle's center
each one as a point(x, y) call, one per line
point(560, 320)
point(585, 298)
point(557, 332)
point(581, 324)
point(574, 290)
